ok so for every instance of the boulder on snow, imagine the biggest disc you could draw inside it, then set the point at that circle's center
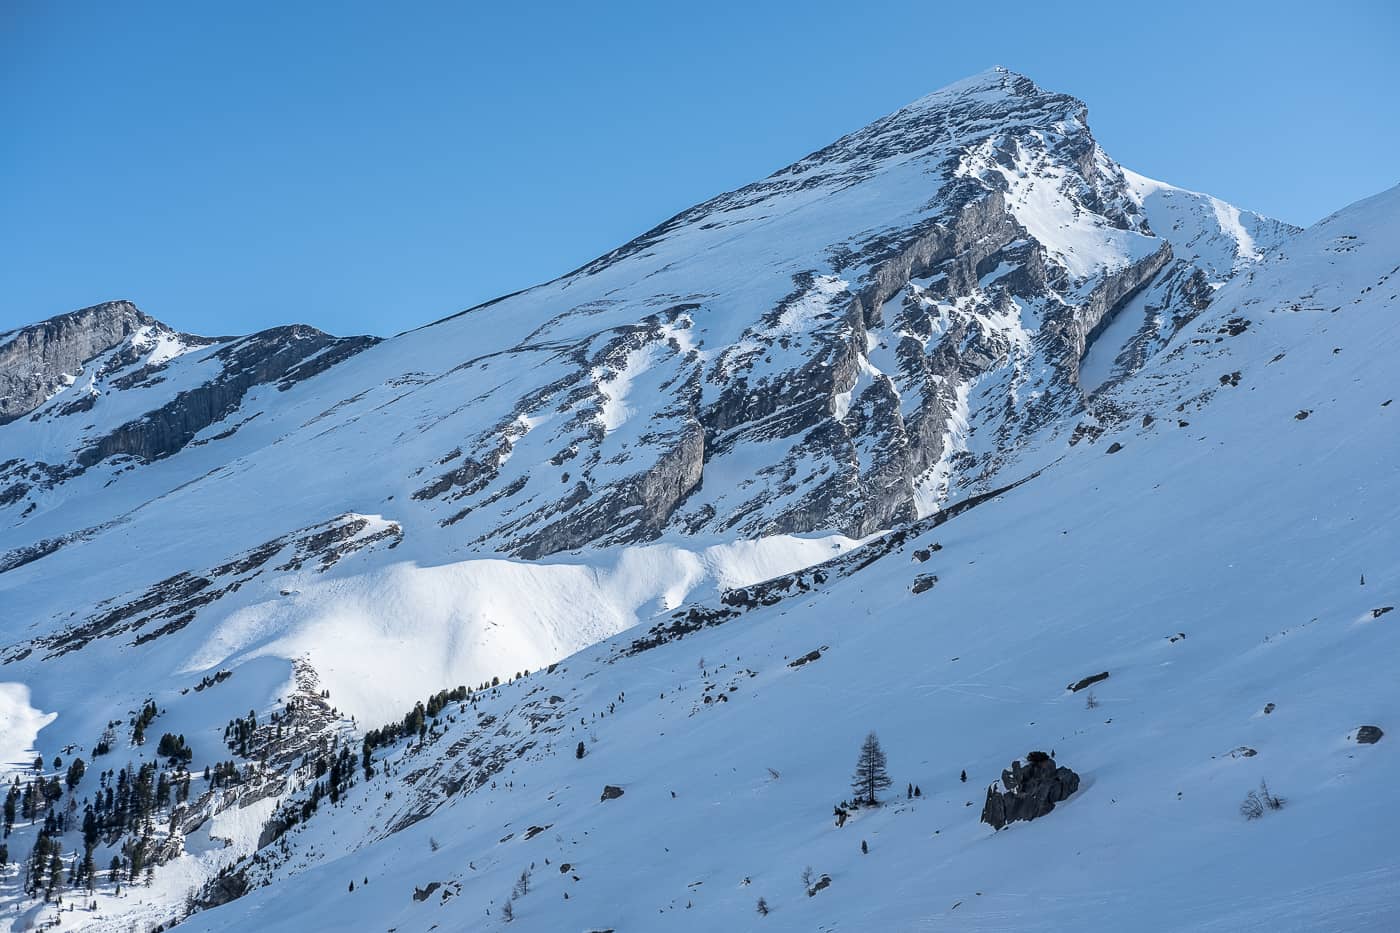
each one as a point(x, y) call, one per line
point(1368, 735)
point(610, 792)
point(1031, 791)
point(1087, 682)
point(924, 581)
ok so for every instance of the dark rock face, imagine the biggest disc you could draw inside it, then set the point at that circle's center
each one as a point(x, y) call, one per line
point(651, 496)
point(1087, 682)
point(923, 582)
point(610, 792)
point(1031, 791)
point(284, 355)
point(1368, 735)
point(78, 368)
point(223, 889)
point(422, 894)
point(34, 360)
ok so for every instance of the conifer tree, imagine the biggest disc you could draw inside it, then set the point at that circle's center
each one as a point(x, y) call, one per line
point(870, 777)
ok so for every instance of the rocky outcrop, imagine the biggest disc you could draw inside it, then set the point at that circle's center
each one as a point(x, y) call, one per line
point(38, 360)
point(1087, 682)
point(1031, 791)
point(1368, 735)
point(169, 605)
point(282, 355)
point(633, 509)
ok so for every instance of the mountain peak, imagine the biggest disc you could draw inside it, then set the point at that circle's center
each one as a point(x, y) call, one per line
point(36, 360)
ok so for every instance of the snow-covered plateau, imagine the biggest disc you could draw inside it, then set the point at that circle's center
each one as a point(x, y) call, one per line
point(571, 612)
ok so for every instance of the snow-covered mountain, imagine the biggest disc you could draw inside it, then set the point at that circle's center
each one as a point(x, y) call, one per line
point(988, 413)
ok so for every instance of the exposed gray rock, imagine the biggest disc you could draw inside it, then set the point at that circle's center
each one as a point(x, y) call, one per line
point(284, 355)
point(1031, 791)
point(1368, 735)
point(37, 360)
point(610, 792)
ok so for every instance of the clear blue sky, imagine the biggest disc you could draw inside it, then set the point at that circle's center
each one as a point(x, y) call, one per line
point(367, 167)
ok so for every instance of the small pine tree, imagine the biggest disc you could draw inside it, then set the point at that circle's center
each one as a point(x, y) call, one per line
point(917, 791)
point(508, 911)
point(963, 777)
point(870, 777)
point(578, 752)
point(864, 849)
point(762, 907)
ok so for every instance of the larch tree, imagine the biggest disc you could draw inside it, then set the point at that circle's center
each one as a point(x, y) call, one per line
point(870, 777)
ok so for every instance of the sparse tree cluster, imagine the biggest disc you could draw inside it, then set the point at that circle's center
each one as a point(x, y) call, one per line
point(239, 732)
point(143, 719)
point(174, 748)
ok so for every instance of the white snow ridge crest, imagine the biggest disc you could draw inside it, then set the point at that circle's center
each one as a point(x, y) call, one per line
point(572, 611)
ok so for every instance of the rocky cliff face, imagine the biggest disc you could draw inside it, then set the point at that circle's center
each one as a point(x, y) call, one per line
point(39, 360)
point(111, 382)
point(282, 355)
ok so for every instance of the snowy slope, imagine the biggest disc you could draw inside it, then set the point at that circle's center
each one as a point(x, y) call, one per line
point(1212, 565)
point(964, 294)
